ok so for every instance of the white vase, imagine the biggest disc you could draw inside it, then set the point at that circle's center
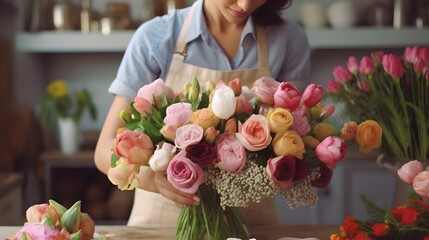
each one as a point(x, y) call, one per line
point(342, 14)
point(68, 131)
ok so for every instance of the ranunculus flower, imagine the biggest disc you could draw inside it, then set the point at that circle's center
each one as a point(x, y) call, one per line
point(38, 212)
point(135, 147)
point(421, 184)
point(205, 118)
point(254, 134)
point(348, 131)
point(231, 154)
point(221, 102)
point(162, 157)
point(184, 174)
point(281, 170)
point(409, 171)
point(333, 87)
point(201, 153)
point(368, 136)
point(37, 231)
point(342, 74)
point(312, 95)
point(279, 119)
point(366, 67)
point(178, 114)
point(143, 106)
point(154, 90)
point(325, 177)
point(188, 134)
point(124, 175)
point(288, 143)
point(322, 130)
point(264, 89)
point(380, 229)
point(331, 150)
point(287, 96)
point(392, 65)
point(352, 64)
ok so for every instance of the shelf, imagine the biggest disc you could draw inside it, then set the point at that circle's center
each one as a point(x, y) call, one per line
point(75, 41)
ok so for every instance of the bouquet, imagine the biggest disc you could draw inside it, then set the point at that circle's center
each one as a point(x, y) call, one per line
point(57, 102)
point(406, 221)
point(392, 90)
point(54, 221)
point(234, 146)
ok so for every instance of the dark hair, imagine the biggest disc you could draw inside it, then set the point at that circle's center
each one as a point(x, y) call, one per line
point(269, 13)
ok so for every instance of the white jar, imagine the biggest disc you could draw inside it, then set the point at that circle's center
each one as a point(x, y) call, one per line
point(342, 14)
point(313, 15)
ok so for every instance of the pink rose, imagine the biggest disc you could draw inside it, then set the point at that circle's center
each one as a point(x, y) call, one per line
point(352, 64)
point(37, 213)
point(142, 106)
point(333, 87)
point(366, 67)
point(135, 147)
point(287, 96)
point(188, 134)
point(124, 175)
point(231, 154)
point(185, 175)
point(281, 170)
point(421, 184)
point(178, 114)
point(155, 89)
point(264, 89)
point(312, 95)
point(342, 74)
point(38, 231)
point(331, 150)
point(300, 124)
point(409, 171)
point(254, 133)
point(392, 65)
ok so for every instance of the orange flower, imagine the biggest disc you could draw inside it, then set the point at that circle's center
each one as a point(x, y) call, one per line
point(368, 136)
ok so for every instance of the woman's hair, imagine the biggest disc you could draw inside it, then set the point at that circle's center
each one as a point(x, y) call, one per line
point(269, 12)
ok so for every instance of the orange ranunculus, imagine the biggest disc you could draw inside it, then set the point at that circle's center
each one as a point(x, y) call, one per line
point(348, 132)
point(205, 118)
point(288, 142)
point(322, 130)
point(368, 136)
point(279, 119)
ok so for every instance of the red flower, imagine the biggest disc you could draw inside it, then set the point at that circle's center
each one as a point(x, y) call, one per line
point(426, 237)
point(410, 216)
point(350, 225)
point(361, 235)
point(325, 177)
point(380, 229)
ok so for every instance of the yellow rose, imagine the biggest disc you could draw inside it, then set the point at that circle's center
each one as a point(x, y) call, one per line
point(322, 130)
point(288, 143)
point(58, 89)
point(205, 118)
point(368, 136)
point(310, 141)
point(279, 119)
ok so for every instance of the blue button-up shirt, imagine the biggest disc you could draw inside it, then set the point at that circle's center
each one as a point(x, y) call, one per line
point(150, 50)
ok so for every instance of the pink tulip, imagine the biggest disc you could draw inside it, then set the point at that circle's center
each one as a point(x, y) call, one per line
point(242, 105)
point(419, 66)
point(185, 175)
point(38, 231)
point(287, 96)
point(411, 54)
point(352, 64)
point(342, 74)
point(409, 171)
point(231, 154)
point(327, 111)
point(392, 65)
point(135, 147)
point(312, 95)
point(264, 89)
point(367, 66)
point(37, 213)
point(421, 184)
point(331, 150)
point(424, 55)
point(188, 134)
point(254, 134)
point(333, 87)
point(363, 85)
point(235, 84)
point(377, 57)
point(142, 106)
point(281, 170)
point(154, 90)
point(178, 114)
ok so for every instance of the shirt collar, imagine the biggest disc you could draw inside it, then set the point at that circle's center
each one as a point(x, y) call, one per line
point(199, 25)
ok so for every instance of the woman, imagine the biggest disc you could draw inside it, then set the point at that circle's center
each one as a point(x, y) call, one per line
point(213, 40)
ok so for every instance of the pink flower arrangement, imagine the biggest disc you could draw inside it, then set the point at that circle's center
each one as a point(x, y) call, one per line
point(209, 140)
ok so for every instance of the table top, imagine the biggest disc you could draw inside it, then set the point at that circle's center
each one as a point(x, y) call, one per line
point(117, 232)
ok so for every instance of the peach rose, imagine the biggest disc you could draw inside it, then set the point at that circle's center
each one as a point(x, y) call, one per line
point(254, 134)
point(409, 171)
point(288, 143)
point(368, 136)
point(205, 118)
point(279, 119)
point(421, 184)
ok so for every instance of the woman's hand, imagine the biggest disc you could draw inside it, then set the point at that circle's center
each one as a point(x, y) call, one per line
point(165, 188)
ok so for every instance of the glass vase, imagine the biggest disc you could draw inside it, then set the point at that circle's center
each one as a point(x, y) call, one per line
point(209, 220)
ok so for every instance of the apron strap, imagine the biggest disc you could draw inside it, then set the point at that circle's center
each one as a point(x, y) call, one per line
point(181, 46)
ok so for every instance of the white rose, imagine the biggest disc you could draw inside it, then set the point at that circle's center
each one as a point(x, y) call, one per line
point(223, 103)
point(161, 157)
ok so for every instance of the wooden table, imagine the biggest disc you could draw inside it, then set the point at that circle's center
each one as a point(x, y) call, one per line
point(321, 232)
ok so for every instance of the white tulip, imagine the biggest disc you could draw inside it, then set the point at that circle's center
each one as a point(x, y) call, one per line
point(223, 102)
point(161, 157)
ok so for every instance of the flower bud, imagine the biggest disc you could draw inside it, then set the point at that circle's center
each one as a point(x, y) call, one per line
point(322, 130)
point(210, 86)
point(76, 236)
point(58, 207)
point(86, 227)
point(310, 141)
point(186, 88)
point(210, 134)
point(71, 218)
point(195, 83)
point(193, 94)
point(169, 132)
point(348, 131)
point(125, 116)
point(25, 236)
point(235, 85)
point(231, 126)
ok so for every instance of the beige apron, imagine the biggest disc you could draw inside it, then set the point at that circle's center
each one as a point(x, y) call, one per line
point(154, 210)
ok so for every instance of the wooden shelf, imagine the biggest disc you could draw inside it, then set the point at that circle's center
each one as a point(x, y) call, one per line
point(355, 38)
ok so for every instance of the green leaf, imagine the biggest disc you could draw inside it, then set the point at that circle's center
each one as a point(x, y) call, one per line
point(149, 128)
point(113, 159)
point(375, 213)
